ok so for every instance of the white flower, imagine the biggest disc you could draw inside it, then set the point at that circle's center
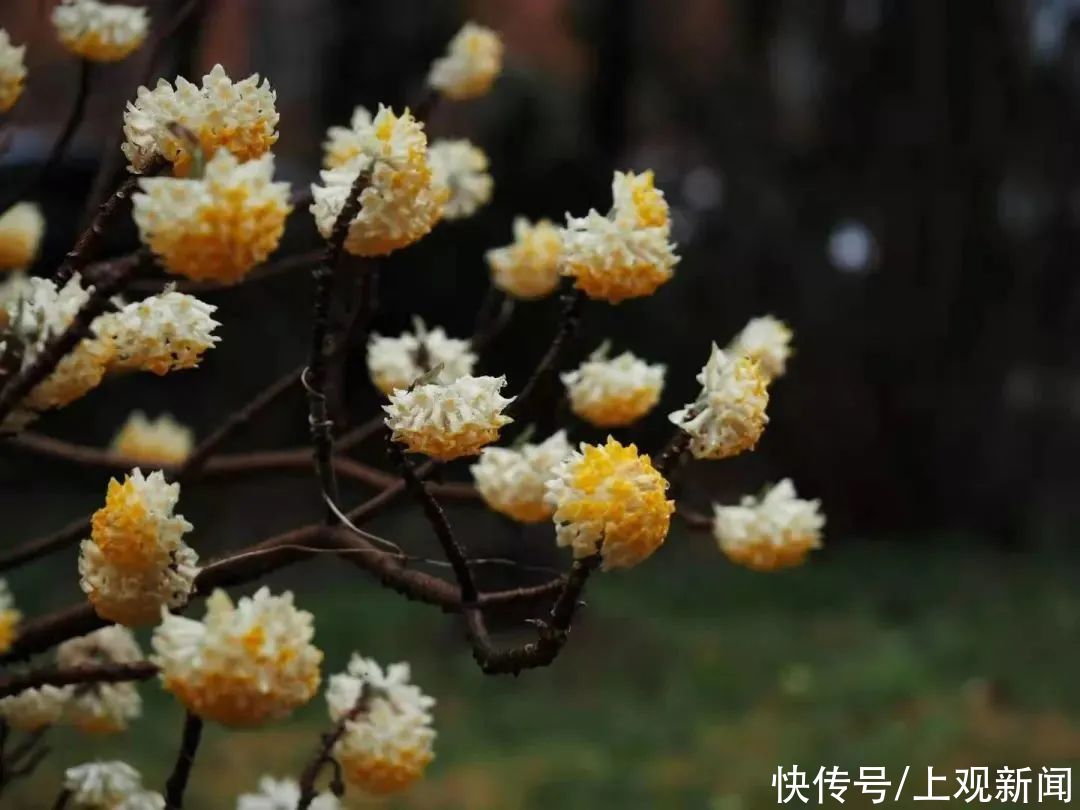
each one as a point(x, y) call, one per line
point(100, 32)
point(34, 709)
point(21, 229)
point(153, 441)
point(529, 266)
point(388, 738)
point(238, 116)
point(13, 286)
point(728, 416)
point(148, 800)
point(283, 794)
point(767, 341)
point(136, 560)
point(344, 144)
point(462, 169)
point(511, 479)
point(244, 664)
point(472, 61)
point(776, 531)
point(12, 71)
point(101, 785)
point(218, 226)
point(610, 499)
point(400, 203)
point(110, 645)
point(448, 421)
point(163, 333)
point(637, 202)
point(613, 392)
point(399, 362)
point(102, 708)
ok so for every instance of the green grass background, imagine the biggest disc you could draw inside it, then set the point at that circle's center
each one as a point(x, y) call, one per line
point(689, 681)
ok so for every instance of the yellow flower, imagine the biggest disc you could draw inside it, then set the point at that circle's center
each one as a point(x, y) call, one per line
point(21, 228)
point(401, 202)
point(613, 392)
point(12, 71)
point(638, 202)
point(528, 267)
point(387, 745)
point(237, 116)
point(218, 226)
point(462, 169)
point(162, 333)
point(728, 416)
point(100, 32)
point(610, 499)
point(9, 618)
point(160, 441)
point(244, 664)
point(511, 479)
point(472, 61)
point(773, 532)
point(448, 421)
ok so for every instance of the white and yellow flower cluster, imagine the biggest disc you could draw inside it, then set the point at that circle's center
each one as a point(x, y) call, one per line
point(239, 117)
point(775, 531)
point(108, 786)
point(398, 362)
point(610, 499)
point(283, 794)
point(160, 441)
point(98, 708)
point(728, 416)
point(9, 617)
point(511, 479)
point(766, 341)
point(461, 168)
point(21, 229)
point(12, 71)
point(400, 203)
point(100, 32)
point(245, 664)
point(217, 226)
point(448, 421)
point(101, 708)
point(388, 739)
point(162, 333)
point(136, 560)
point(613, 392)
point(528, 268)
point(626, 254)
point(472, 62)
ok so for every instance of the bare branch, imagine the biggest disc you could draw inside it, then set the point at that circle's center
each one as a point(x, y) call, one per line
point(185, 759)
point(87, 673)
point(569, 320)
point(324, 753)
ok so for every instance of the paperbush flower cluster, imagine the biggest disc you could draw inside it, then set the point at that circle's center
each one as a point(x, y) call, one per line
point(774, 531)
point(12, 71)
point(399, 362)
point(528, 267)
point(160, 441)
point(100, 32)
point(511, 479)
point(109, 786)
point(21, 229)
point(613, 392)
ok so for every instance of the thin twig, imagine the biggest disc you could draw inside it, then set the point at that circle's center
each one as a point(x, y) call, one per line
point(324, 754)
point(63, 140)
point(569, 321)
point(62, 800)
point(60, 346)
point(670, 456)
point(185, 759)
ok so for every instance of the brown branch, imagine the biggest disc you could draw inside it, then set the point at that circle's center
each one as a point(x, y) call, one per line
point(79, 256)
point(87, 673)
point(185, 759)
point(62, 800)
point(569, 321)
point(63, 140)
point(269, 269)
point(324, 753)
point(61, 345)
point(670, 456)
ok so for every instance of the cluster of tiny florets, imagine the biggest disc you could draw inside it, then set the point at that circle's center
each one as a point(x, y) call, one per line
point(136, 560)
point(34, 709)
point(283, 794)
point(398, 362)
point(240, 117)
point(217, 226)
point(163, 333)
point(626, 254)
point(511, 479)
point(610, 499)
point(100, 32)
point(21, 229)
point(472, 62)
point(108, 786)
point(244, 664)
point(528, 267)
point(461, 168)
point(400, 202)
point(160, 441)
point(101, 708)
point(12, 71)
point(613, 392)
point(388, 739)
point(775, 531)
point(728, 417)
point(448, 421)
point(766, 341)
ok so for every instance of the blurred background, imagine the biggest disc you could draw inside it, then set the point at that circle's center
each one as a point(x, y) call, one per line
point(896, 179)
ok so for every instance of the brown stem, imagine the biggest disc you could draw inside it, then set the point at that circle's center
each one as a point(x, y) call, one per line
point(62, 800)
point(670, 456)
point(60, 346)
point(569, 320)
point(87, 673)
point(324, 753)
point(185, 759)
